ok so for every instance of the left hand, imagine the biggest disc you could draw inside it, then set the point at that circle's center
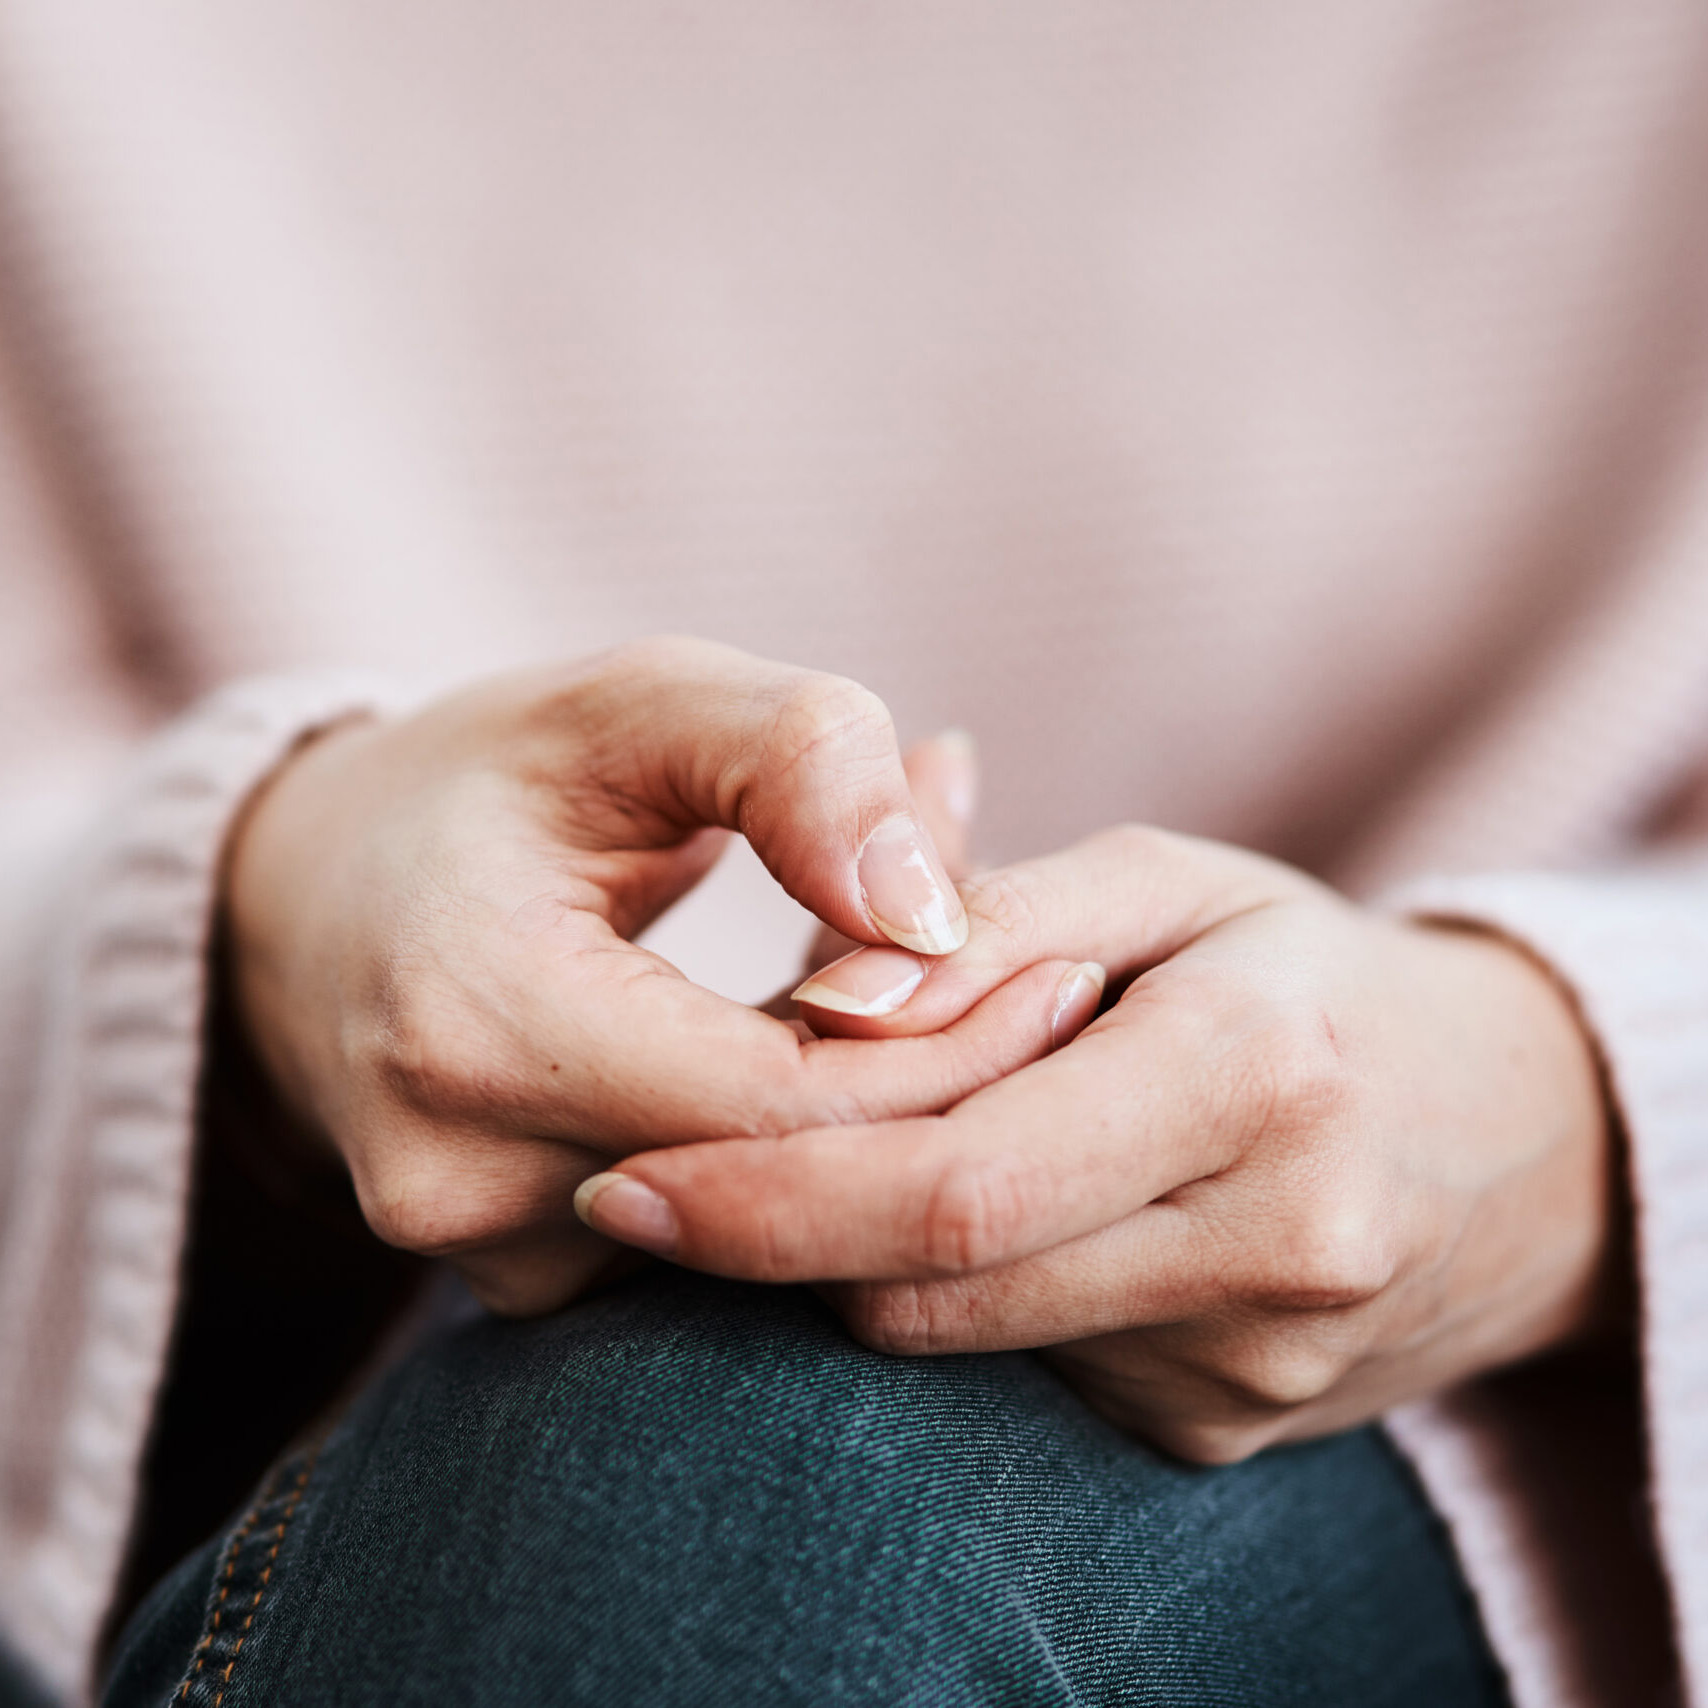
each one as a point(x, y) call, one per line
point(1313, 1162)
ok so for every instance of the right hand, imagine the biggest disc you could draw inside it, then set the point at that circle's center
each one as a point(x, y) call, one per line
point(431, 924)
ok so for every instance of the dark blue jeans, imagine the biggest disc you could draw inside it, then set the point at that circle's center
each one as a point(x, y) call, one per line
point(692, 1494)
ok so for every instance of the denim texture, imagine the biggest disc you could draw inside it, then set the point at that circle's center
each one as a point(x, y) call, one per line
point(691, 1492)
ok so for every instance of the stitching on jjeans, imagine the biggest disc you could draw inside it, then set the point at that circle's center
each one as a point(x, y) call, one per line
point(232, 1551)
point(266, 1573)
point(229, 1578)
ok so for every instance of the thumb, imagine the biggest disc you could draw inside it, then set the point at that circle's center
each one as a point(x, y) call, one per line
point(671, 735)
point(942, 772)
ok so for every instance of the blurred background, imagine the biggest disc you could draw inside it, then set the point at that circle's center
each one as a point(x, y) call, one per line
point(891, 340)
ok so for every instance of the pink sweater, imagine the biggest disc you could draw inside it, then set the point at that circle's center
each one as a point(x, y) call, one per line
point(1292, 428)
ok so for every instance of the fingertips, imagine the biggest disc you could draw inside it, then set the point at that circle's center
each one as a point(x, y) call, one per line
point(889, 993)
point(907, 890)
point(814, 1206)
point(1077, 999)
point(1017, 918)
point(868, 984)
point(698, 1205)
point(879, 993)
point(623, 1208)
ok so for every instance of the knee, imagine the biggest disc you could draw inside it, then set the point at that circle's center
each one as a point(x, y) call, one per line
point(693, 1491)
point(705, 1392)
